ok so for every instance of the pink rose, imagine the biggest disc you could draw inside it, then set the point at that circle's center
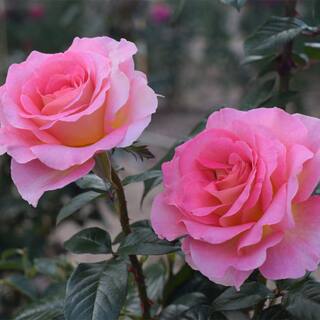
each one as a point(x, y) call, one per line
point(58, 110)
point(36, 10)
point(160, 12)
point(240, 193)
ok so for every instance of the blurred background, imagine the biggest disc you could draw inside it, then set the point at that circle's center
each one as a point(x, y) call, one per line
point(192, 52)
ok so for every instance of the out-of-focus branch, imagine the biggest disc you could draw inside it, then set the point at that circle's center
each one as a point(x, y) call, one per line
point(286, 63)
point(3, 37)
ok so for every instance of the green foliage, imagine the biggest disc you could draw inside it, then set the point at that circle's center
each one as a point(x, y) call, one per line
point(277, 312)
point(22, 284)
point(151, 174)
point(238, 4)
point(260, 94)
point(76, 204)
point(155, 277)
point(90, 240)
point(57, 269)
point(97, 291)
point(93, 182)
point(304, 302)
point(50, 308)
point(139, 151)
point(273, 34)
point(182, 305)
point(312, 49)
point(15, 259)
point(143, 241)
point(250, 294)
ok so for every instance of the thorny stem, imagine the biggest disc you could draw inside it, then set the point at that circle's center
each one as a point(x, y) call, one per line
point(125, 225)
point(286, 63)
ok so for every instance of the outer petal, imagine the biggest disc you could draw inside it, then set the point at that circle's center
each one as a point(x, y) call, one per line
point(232, 277)
point(215, 261)
point(284, 126)
point(61, 157)
point(134, 131)
point(119, 51)
point(213, 234)
point(34, 178)
point(166, 219)
point(136, 113)
point(310, 175)
point(299, 251)
point(101, 45)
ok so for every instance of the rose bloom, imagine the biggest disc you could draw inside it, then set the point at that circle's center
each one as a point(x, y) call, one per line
point(160, 12)
point(58, 110)
point(240, 193)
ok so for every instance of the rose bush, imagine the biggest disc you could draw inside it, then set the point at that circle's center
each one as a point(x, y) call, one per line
point(241, 194)
point(58, 110)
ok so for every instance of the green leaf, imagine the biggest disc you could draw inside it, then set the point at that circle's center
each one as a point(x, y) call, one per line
point(277, 312)
point(50, 308)
point(182, 304)
point(173, 312)
point(202, 312)
point(77, 203)
point(10, 265)
point(300, 59)
point(191, 306)
point(139, 151)
point(156, 276)
point(249, 295)
point(304, 302)
point(292, 284)
point(142, 177)
point(90, 240)
point(97, 291)
point(176, 281)
point(55, 268)
point(143, 241)
point(132, 304)
point(274, 33)
point(259, 94)
point(12, 252)
point(238, 4)
point(312, 50)
point(21, 284)
point(93, 182)
point(103, 167)
point(133, 226)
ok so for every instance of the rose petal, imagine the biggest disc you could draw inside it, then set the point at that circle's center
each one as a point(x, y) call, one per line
point(299, 251)
point(282, 125)
point(213, 234)
point(232, 277)
point(71, 156)
point(32, 179)
point(166, 219)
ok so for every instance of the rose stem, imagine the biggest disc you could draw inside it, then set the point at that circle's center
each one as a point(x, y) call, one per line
point(286, 61)
point(125, 225)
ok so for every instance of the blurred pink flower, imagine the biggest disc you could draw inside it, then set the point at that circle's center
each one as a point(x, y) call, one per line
point(36, 10)
point(160, 12)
